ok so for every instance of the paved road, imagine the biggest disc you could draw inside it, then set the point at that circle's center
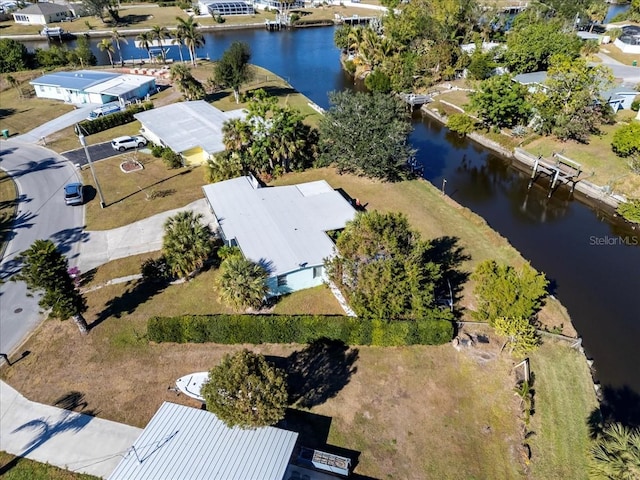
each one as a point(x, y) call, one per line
point(70, 440)
point(40, 175)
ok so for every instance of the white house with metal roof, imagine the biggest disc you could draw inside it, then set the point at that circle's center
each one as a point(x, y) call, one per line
point(92, 86)
point(184, 443)
point(42, 13)
point(194, 129)
point(282, 228)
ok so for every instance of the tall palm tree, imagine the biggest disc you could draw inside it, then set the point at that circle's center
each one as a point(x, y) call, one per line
point(616, 454)
point(236, 133)
point(242, 283)
point(116, 38)
point(106, 46)
point(186, 243)
point(160, 33)
point(178, 39)
point(146, 40)
point(191, 36)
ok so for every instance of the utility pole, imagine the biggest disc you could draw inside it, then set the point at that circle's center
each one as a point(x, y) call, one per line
point(83, 142)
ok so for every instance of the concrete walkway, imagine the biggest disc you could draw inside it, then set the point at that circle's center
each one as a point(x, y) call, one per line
point(143, 236)
point(70, 440)
point(57, 124)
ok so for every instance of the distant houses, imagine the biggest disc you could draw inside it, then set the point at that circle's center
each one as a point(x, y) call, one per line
point(92, 86)
point(192, 129)
point(42, 13)
point(285, 229)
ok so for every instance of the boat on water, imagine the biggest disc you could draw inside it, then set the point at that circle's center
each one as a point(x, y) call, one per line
point(191, 384)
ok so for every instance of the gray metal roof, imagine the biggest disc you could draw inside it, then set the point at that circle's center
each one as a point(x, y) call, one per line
point(184, 443)
point(533, 77)
point(283, 228)
point(43, 8)
point(120, 85)
point(186, 125)
point(78, 80)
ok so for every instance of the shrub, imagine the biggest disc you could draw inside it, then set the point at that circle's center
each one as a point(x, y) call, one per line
point(89, 127)
point(256, 329)
point(635, 105)
point(157, 150)
point(171, 158)
point(461, 123)
point(350, 67)
point(630, 210)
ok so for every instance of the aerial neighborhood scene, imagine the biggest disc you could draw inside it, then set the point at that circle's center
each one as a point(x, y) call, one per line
point(319, 239)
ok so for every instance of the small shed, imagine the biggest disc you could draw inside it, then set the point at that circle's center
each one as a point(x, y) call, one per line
point(184, 443)
point(42, 13)
point(195, 129)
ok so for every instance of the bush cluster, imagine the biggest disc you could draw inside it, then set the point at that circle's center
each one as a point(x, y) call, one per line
point(256, 329)
point(89, 127)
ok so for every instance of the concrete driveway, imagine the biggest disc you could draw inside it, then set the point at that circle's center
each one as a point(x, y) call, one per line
point(40, 176)
point(55, 125)
point(74, 441)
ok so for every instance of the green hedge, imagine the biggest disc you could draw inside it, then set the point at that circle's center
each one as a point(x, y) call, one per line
point(89, 127)
point(255, 329)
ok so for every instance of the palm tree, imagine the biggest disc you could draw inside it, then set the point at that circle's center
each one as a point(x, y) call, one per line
point(186, 243)
point(178, 39)
point(242, 283)
point(236, 133)
point(355, 38)
point(106, 46)
point(616, 454)
point(13, 82)
point(146, 40)
point(116, 37)
point(160, 33)
point(223, 166)
point(191, 36)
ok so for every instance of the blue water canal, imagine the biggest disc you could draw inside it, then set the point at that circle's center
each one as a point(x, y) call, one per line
point(592, 258)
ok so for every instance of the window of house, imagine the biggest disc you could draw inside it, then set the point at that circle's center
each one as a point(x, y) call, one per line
point(317, 272)
point(282, 280)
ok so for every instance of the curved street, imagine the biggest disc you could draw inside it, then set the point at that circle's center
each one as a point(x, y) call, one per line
point(40, 176)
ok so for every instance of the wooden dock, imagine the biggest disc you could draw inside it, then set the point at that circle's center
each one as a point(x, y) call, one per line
point(353, 20)
point(561, 170)
point(414, 99)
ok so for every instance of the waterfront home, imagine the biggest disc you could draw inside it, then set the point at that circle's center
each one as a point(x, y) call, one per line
point(195, 129)
point(285, 229)
point(42, 13)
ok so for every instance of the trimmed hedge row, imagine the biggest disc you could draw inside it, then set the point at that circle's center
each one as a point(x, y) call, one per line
point(255, 329)
point(89, 127)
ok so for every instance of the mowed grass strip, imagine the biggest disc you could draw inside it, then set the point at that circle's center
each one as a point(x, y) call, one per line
point(18, 468)
point(564, 399)
point(8, 206)
point(136, 195)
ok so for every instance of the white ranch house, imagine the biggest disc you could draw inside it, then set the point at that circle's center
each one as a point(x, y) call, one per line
point(282, 228)
point(42, 13)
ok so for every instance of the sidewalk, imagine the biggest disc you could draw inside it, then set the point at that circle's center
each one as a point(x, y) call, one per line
point(140, 237)
point(55, 125)
point(70, 440)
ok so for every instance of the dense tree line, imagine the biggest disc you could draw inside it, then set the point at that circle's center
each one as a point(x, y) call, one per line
point(15, 57)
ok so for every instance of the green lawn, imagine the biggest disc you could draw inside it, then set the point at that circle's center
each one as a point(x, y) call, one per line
point(8, 196)
point(564, 399)
point(17, 468)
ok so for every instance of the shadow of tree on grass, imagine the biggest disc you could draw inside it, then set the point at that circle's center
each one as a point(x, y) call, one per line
point(618, 405)
point(319, 371)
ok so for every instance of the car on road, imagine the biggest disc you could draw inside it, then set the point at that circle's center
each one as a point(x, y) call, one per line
point(73, 194)
point(123, 143)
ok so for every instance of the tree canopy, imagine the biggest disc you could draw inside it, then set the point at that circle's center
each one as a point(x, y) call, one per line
point(385, 270)
point(232, 70)
point(626, 140)
point(504, 292)
point(13, 56)
point(616, 454)
point(242, 283)
point(520, 335)
point(531, 46)
point(571, 105)
point(501, 102)
point(366, 134)
point(46, 271)
point(187, 243)
point(246, 391)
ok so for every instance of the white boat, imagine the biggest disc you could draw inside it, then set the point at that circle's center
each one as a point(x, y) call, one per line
point(191, 384)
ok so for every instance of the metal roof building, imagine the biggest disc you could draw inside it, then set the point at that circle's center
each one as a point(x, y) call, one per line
point(184, 443)
point(195, 128)
point(78, 80)
point(283, 228)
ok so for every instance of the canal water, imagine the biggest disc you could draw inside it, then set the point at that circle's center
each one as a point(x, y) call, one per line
point(591, 257)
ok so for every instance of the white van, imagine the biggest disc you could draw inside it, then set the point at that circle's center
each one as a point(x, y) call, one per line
point(105, 109)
